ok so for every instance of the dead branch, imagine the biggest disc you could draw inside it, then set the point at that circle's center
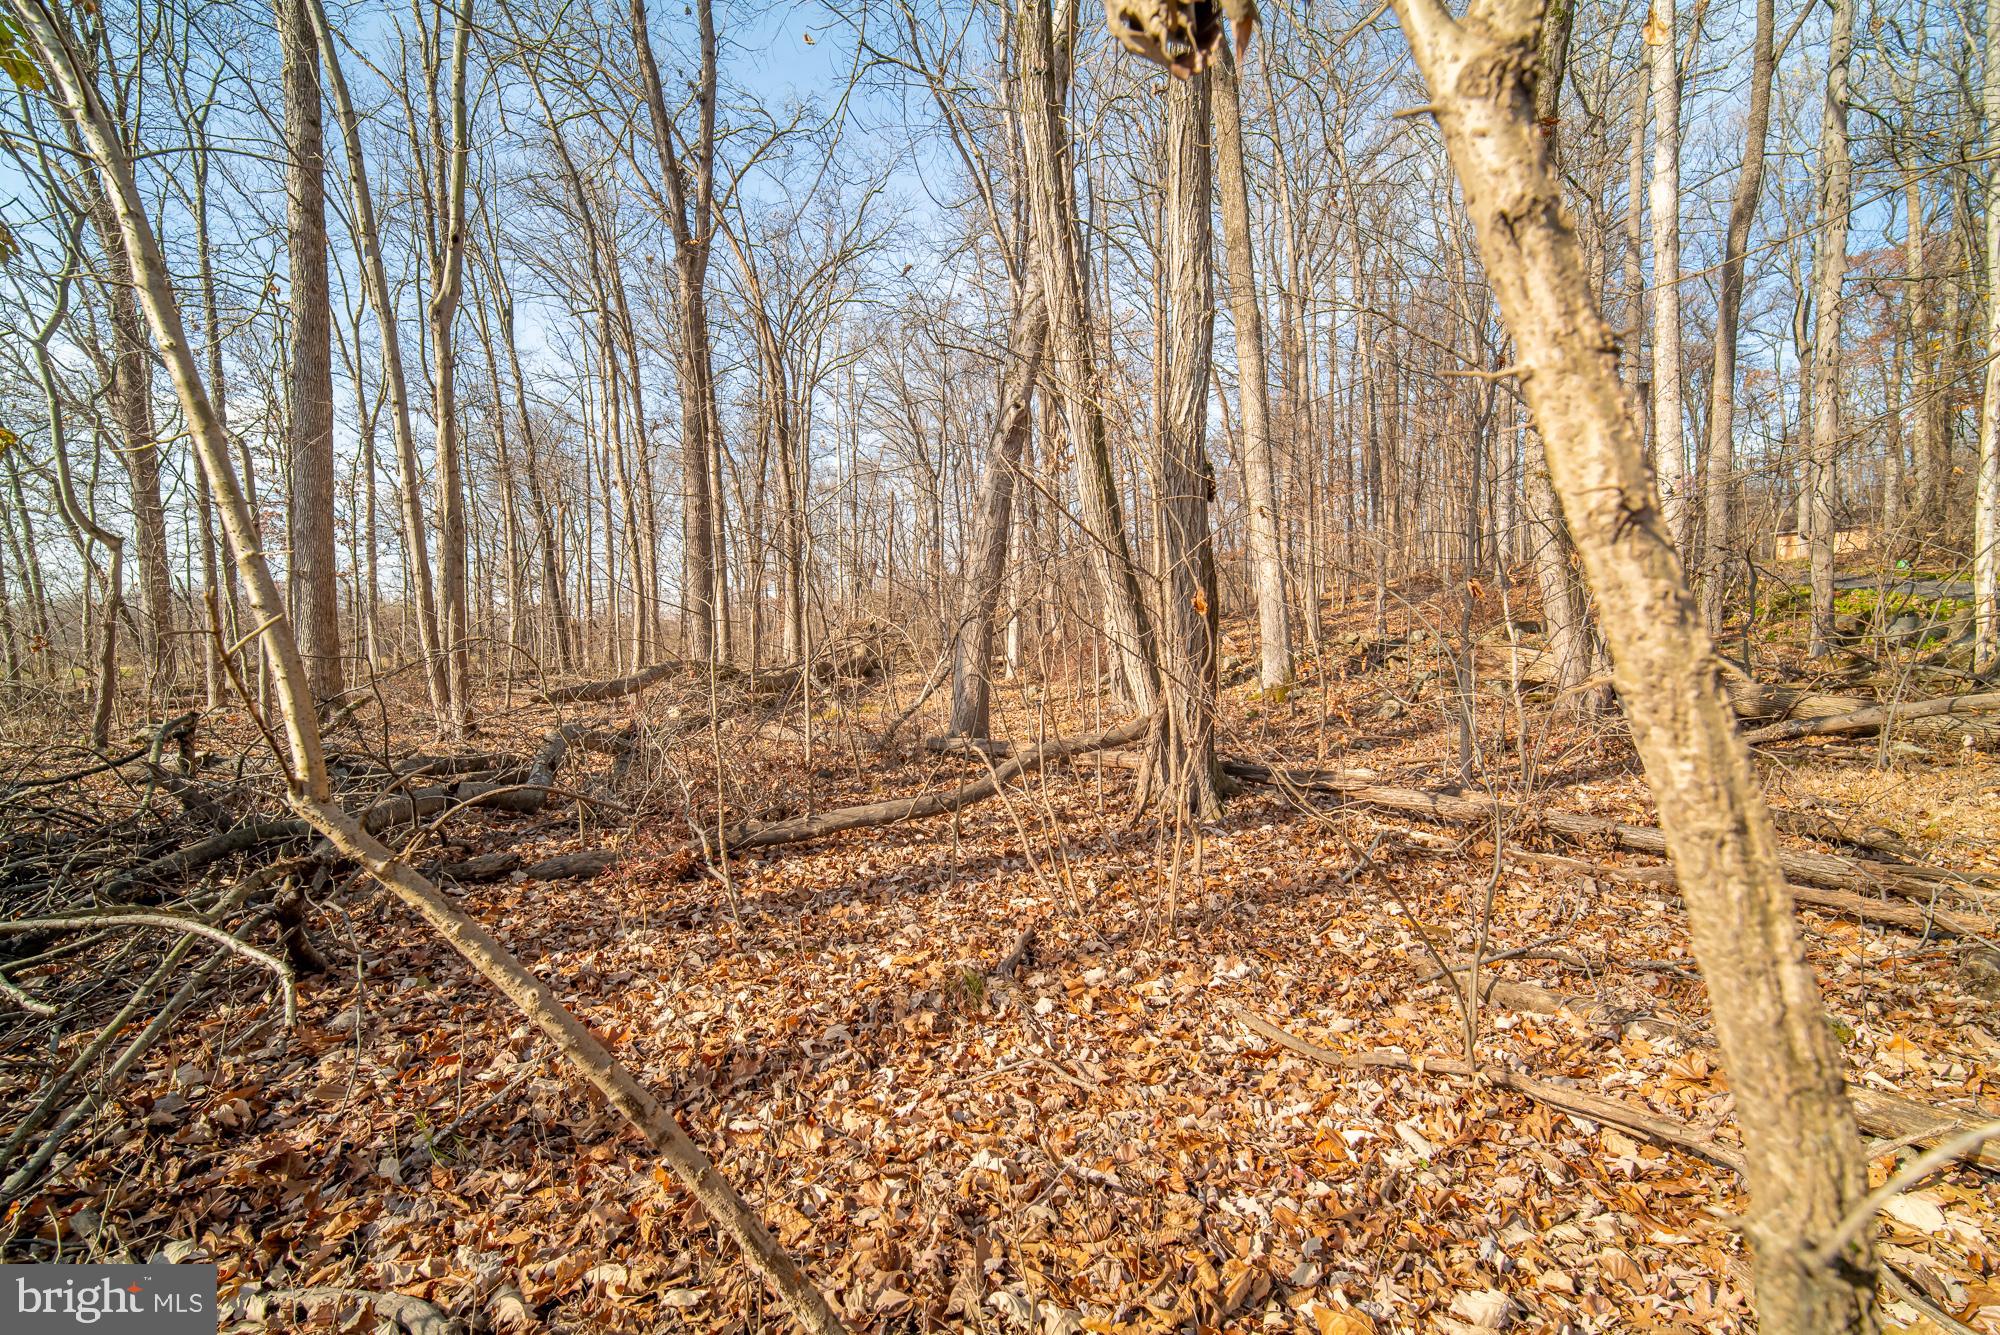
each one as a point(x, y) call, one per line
point(169, 922)
point(174, 729)
point(1879, 1113)
point(872, 814)
point(1015, 953)
point(1874, 717)
point(19, 996)
point(1813, 876)
point(1576, 1101)
point(528, 796)
point(185, 862)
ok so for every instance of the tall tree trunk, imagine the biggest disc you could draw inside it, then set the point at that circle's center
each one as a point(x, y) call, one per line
point(311, 572)
point(1632, 288)
point(693, 223)
point(130, 393)
point(1836, 195)
point(993, 514)
point(1073, 365)
point(1929, 413)
point(1719, 536)
point(1564, 612)
point(1186, 481)
point(375, 282)
point(1260, 491)
point(1986, 496)
point(1803, 1161)
point(211, 326)
point(1669, 443)
point(446, 274)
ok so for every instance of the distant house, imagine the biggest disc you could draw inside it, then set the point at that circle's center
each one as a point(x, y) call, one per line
point(1794, 547)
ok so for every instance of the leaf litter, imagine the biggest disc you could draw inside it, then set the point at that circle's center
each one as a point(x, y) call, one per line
point(1092, 1141)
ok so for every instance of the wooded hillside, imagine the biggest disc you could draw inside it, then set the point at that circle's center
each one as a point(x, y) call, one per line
point(892, 668)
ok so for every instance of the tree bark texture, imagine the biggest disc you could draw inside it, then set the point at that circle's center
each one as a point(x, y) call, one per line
point(1802, 1155)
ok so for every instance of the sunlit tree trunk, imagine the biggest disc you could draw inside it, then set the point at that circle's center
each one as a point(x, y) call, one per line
point(375, 281)
point(446, 275)
point(311, 572)
point(1718, 487)
point(993, 515)
point(1073, 364)
point(690, 214)
point(1564, 614)
point(1803, 1162)
point(129, 392)
point(1669, 429)
point(1836, 194)
point(1267, 569)
point(1986, 495)
point(1186, 481)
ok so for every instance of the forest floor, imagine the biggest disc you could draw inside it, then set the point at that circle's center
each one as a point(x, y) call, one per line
point(1096, 1139)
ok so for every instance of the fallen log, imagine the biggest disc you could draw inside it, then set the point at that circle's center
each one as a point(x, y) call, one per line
point(1815, 877)
point(571, 866)
point(1911, 917)
point(1874, 717)
point(859, 661)
point(1761, 702)
point(177, 866)
point(530, 794)
point(456, 766)
point(750, 834)
point(628, 685)
point(1892, 1117)
point(1895, 1117)
point(1829, 828)
point(482, 867)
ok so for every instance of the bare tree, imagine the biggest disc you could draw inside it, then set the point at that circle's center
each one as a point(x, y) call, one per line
point(1986, 497)
point(375, 282)
point(447, 271)
point(1186, 483)
point(1669, 428)
point(1802, 1156)
point(993, 513)
point(1836, 201)
point(691, 217)
point(129, 389)
point(1564, 611)
point(311, 582)
point(1274, 638)
point(1073, 372)
point(1718, 485)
